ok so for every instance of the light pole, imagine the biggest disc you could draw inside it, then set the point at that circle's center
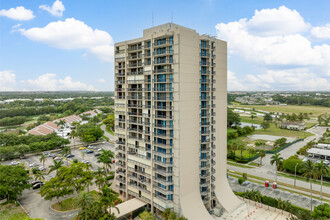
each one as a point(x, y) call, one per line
point(295, 174)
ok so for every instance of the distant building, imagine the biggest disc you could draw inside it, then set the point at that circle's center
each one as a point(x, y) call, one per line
point(44, 129)
point(91, 113)
point(69, 119)
point(291, 125)
point(323, 146)
point(319, 153)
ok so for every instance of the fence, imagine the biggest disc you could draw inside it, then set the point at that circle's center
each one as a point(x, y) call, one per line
point(283, 147)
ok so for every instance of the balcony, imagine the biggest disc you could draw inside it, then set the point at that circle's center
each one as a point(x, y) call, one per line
point(134, 48)
point(135, 73)
point(120, 142)
point(162, 190)
point(162, 98)
point(163, 172)
point(140, 180)
point(134, 65)
point(162, 154)
point(205, 54)
point(134, 106)
point(120, 179)
point(205, 192)
point(204, 81)
point(207, 72)
point(205, 167)
point(163, 80)
point(204, 64)
point(204, 184)
point(204, 123)
point(206, 46)
point(204, 106)
point(132, 57)
point(204, 115)
point(163, 71)
point(163, 62)
point(121, 187)
point(207, 158)
point(139, 187)
point(164, 164)
point(135, 122)
point(167, 146)
point(137, 114)
point(162, 43)
point(204, 175)
point(120, 74)
point(168, 126)
point(120, 82)
point(160, 89)
point(163, 53)
point(205, 149)
point(160, 107)
point(139, 172)
point(139, 196)
point(163, 181)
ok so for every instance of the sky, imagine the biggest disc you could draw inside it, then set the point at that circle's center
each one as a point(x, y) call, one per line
point(50, 45)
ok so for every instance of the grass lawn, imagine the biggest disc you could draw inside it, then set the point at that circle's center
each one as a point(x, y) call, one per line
point(289, 109)
point(238, 164)
point(10, 211)
point(272, 130)
point(245, 154)
point(69, 204)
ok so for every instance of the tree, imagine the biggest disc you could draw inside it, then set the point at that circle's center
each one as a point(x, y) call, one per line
point(100, 179)
point(232, 118)
point(240, 147)
point(147, 216)
point(106, 158)
point(262, 154)
point(260, 143)
point(42, 159)
point(95, 211)
point(166, 213)
point(110, 121)
point(66, 151)
point(268, 118)
point(277, 160)
point(321, 171)
point(13, 180)
point(83, 154)
point(73, 135)
point(108, 198)
point(264, 125)
point(89, 132)
point(57, 165)
point(39, 175)
point(321, 212)
point(61, 124)
point(251, 151)
point(84, 200)
point(309, 172)
point(253, 116)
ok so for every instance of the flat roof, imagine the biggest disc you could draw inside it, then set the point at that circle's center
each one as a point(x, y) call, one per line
point(128, 207)
point(319, 151)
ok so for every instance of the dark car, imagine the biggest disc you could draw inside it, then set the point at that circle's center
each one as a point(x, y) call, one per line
point(97, 154)
point(37, 185)
point(89, 152)
point(69, 156)
point(36, 182)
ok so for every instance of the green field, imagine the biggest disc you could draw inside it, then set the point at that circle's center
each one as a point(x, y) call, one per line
point(289, 109)
point(12, 212)
point(272, 130)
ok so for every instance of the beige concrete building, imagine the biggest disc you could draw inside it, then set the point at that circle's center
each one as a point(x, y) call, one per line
point(171, 106)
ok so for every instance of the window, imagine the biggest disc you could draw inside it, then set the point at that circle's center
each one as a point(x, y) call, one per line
point(171, 40)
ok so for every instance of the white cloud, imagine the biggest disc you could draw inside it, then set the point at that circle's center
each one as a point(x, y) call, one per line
point(101, 80)
point(73, 34)
point(276, 40)
point(322, 32)
point(50, 82)
point(7, 80)
point(233, 82)
point(57, 8)
point(16, 26)
point(18, 13)
point(299, 79)
point(281, 21)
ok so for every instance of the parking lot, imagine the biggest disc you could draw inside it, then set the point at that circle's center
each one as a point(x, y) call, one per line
point(32, 202)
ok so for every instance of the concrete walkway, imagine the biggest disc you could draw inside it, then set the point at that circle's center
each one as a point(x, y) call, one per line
point(107, 134)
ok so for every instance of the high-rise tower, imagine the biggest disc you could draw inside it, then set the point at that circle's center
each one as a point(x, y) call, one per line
point(171, 112)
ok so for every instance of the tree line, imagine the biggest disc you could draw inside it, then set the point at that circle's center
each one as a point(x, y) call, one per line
point(302, 100)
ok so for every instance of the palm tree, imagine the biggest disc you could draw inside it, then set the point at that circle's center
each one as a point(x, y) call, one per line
point(147, 216)
point(262, 154)
point(241, 147)
point(66, 151)
point(84, 200)
point(73, 135)
point(39, 176)
point(57, 165)
point(309, 172)
point(100, 177)
point(106, 158)
point(260, 143)
point(276, 159)
point(166, 213)
point(108, 198)
point(42, 159)
point(83, 154)
point(251, 151)
point(172, 216)
point(322, 170)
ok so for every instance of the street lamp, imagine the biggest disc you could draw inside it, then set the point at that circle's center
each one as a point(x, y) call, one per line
point(295, 174)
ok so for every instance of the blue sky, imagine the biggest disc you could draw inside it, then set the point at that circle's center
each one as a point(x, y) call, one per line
point(68, 44)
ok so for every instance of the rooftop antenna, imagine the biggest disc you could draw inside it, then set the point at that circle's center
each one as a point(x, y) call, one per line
point(152, 19)
point(171, 16)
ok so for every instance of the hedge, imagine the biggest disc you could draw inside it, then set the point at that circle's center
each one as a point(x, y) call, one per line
point(282, 148)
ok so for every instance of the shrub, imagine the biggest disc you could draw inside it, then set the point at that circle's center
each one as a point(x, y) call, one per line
point(321, 211)
point(240, 181)
point(289, 165)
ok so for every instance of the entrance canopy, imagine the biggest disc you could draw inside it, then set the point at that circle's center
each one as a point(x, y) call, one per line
point(127, 207)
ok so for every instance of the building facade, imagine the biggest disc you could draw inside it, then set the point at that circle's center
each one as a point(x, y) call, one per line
point(170, 112)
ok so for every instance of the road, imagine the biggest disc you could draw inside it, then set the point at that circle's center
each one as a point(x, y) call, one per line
point(107, 134)
point(268, 171)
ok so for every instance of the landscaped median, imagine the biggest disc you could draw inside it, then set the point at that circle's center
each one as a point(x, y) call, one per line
point(11, 211)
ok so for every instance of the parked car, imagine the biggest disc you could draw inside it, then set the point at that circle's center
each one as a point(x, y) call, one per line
point(85, 161)
point(33, 165)
point(42, 168)
point(82, 148)
point(89, 151)
point(326, 162)
point(36, 182)
point(97, 154)
point(69, 156)
point(14, 163)
point(38, 185)
point(57, 158)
